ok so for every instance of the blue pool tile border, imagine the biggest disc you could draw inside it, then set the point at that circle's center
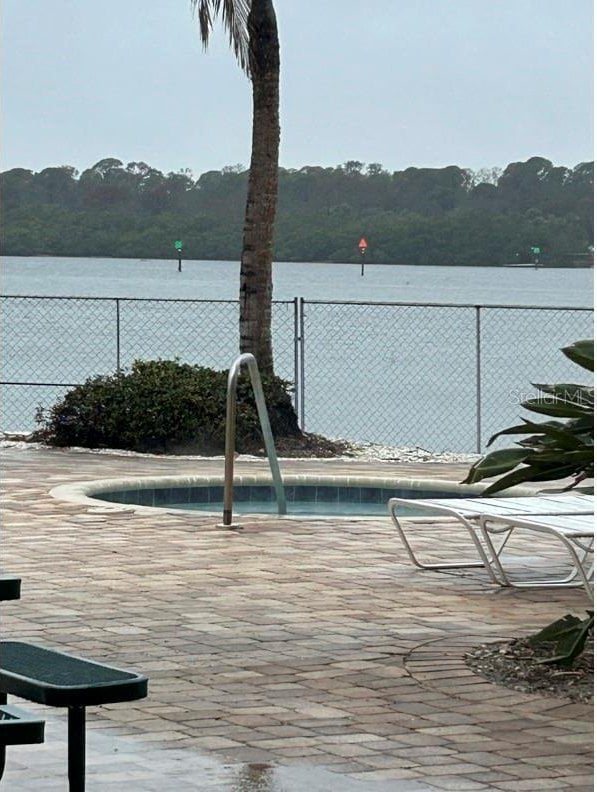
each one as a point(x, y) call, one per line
point(139, 494)
point(247, 493)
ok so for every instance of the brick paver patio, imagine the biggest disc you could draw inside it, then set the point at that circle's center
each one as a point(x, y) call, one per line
point(290, 655)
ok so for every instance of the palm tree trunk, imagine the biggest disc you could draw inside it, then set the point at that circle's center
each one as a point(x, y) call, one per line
point(260, 213)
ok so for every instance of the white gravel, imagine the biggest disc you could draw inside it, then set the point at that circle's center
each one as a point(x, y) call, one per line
point(406, 454)
point(367, 451)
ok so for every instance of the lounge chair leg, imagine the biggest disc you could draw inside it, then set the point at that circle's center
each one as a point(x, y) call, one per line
point(578, 550)
point(484, 561)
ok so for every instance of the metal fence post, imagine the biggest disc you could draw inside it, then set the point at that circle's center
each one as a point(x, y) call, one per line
point(117, 336)
point(297, 395)
point(478, 372)
point(301, 340)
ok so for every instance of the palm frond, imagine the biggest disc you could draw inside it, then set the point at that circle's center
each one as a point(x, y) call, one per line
point(234, 14)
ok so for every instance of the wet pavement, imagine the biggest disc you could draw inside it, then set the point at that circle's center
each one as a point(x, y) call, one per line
point(286, 656)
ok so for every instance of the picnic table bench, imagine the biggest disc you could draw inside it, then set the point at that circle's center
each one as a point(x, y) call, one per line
point(56, 679)
point(17, 727)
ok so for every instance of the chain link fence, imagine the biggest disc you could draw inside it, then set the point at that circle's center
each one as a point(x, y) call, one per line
point(441, 377)
point(520, 346)
point(379, 368)
point(53, 343)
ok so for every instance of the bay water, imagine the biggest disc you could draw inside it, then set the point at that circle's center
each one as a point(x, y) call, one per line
point(401, 375)
point(219, 280)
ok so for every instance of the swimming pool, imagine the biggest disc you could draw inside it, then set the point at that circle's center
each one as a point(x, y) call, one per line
point(306, 495)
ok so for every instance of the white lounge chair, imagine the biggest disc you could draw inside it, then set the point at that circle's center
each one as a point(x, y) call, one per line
point(575, 532)
point(469, 511)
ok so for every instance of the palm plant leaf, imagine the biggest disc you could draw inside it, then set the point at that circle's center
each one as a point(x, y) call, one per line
point(559, 408)
point(577, 394)
point(568, 634)
point(528, 473)
point(552, 449)
point(582, 353)
point(496, 463)
point(553, 430)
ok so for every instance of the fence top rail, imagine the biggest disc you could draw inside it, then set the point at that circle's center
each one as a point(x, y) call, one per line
point(127, 299)
point(304, 301)
point(450, 305)
point(45, 384)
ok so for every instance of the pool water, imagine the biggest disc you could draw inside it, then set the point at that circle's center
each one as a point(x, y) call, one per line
point(313, 499)
point(322, 508)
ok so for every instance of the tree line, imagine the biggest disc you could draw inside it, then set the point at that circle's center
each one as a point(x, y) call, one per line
point(441, 216)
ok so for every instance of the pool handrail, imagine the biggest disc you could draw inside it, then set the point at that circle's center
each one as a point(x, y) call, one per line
point(266, 430)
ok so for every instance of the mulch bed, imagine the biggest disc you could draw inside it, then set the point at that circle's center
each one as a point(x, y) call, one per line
point(513, 664)
point(311, 445)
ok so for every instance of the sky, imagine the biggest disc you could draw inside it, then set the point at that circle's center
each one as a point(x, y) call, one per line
point(423, 83)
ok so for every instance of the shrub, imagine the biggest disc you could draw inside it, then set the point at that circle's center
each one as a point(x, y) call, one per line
point(164, 406)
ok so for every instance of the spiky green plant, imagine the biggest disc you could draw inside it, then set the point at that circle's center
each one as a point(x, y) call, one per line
point(555, 449)
point(568, 635)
